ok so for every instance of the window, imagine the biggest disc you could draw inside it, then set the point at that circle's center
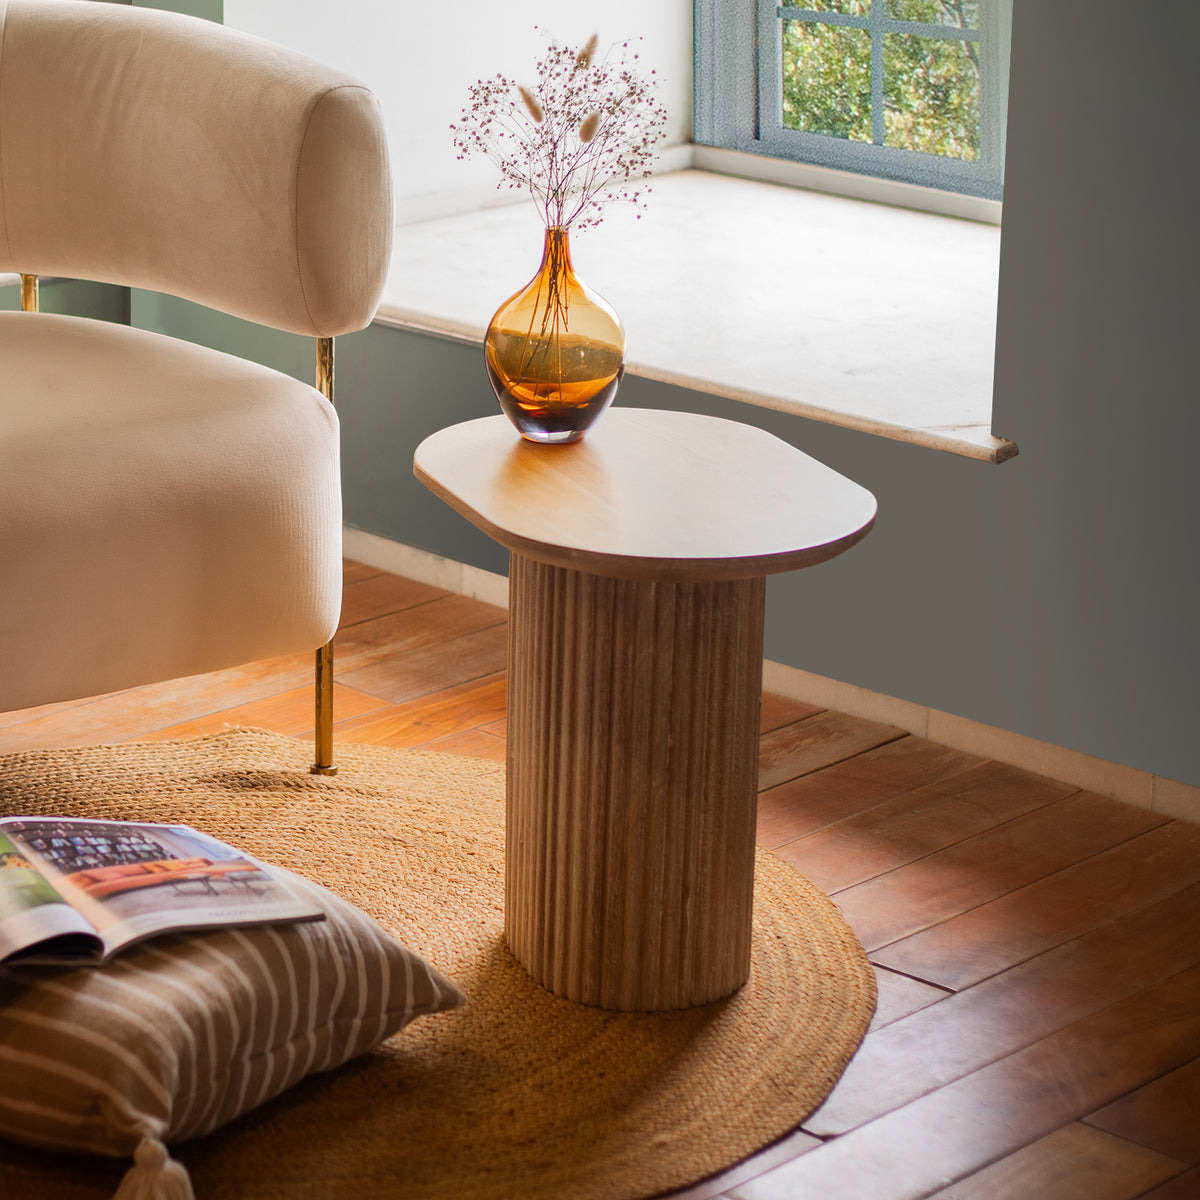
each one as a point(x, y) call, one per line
point(911, 90)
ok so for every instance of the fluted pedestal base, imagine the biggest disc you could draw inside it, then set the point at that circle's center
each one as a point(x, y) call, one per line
point(632, 777)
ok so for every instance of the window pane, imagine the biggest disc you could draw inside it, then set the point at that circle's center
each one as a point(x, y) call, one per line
point(827, 80)
point(962, 14)
point(931, 95)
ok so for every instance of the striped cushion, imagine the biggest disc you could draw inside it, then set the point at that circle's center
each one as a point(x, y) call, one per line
point(179, 1035)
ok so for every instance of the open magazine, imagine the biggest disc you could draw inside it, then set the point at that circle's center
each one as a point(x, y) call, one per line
point(78, 891)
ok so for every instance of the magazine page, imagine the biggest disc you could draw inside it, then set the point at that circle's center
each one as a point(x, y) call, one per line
point(32, 912)
point(130, 880)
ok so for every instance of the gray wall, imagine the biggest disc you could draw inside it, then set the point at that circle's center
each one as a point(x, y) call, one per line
point(1056, 595)
point(210, 10)
point(74, 297)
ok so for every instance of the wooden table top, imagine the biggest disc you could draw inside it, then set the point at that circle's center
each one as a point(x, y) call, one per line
point(647, 494)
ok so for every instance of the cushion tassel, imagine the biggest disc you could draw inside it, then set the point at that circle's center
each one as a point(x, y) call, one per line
point(155, 1175)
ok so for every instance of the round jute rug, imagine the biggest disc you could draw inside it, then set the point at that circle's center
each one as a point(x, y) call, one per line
point(517, 1094)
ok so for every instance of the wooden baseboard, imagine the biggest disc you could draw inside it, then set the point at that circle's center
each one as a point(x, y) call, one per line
point(1140, 788)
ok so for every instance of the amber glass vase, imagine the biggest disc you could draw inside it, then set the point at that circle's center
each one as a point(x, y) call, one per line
point(555, 351)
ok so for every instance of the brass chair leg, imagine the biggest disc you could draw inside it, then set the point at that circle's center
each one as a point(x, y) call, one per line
point(324, 764)
point(29, 293)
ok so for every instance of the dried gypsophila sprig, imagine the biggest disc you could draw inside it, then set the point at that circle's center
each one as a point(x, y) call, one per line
point(576, 139)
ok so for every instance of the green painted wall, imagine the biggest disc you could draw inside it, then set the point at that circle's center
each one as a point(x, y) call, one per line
point(74, 297)
point(210, 10)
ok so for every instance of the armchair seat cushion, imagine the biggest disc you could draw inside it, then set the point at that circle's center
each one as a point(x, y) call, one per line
point(165, 510)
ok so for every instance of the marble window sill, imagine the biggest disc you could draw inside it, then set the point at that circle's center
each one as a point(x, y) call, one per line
point(876, 318)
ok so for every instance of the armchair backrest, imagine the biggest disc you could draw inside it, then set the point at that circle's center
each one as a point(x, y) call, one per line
point(145, 148)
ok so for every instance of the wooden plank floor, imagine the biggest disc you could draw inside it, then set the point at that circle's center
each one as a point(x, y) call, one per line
point(1037, 947)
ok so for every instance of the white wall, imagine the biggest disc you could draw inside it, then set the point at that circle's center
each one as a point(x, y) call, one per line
point(419, 60)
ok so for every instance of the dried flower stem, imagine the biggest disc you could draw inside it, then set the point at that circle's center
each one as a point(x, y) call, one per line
point(574, 140)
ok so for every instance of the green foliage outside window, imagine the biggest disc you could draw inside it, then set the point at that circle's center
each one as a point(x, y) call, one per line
point(827, 80)
point(930, 85)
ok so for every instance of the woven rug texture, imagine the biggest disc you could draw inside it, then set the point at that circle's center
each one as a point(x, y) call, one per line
point(518, 1094)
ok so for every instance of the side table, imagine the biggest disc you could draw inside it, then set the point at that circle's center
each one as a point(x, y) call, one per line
point(639, 558)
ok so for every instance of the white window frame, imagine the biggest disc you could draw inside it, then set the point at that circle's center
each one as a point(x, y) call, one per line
point(738, 94)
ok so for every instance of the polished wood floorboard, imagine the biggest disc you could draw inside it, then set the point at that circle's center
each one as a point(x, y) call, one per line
point(1037, 947)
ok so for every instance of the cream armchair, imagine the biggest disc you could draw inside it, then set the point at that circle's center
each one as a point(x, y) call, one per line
point(166, 509)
